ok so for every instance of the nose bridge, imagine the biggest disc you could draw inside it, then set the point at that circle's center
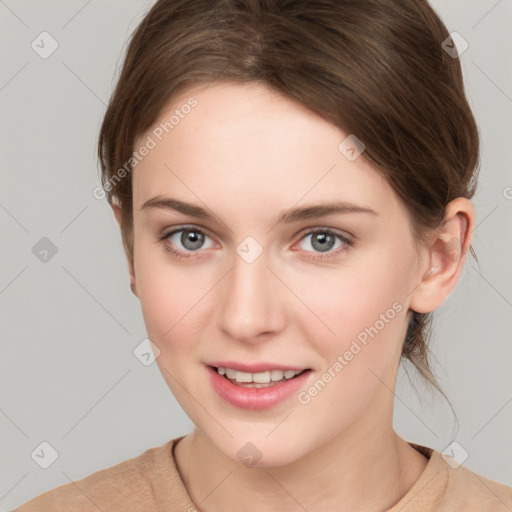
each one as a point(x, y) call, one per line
point(249, 305)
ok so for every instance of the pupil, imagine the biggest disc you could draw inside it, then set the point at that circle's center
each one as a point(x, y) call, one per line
point(192, 239)
point(325, 239)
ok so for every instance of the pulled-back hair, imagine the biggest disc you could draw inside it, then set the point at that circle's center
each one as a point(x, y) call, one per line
point(374, 68)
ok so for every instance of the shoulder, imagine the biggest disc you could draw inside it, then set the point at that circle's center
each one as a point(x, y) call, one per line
point(126, 485)
point(475, 492)
point(447, 486)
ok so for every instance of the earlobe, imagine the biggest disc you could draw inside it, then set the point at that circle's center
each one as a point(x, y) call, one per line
point(445, 258)
point(133, 285)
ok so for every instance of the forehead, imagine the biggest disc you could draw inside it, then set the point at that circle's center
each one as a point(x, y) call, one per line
point(249, 142)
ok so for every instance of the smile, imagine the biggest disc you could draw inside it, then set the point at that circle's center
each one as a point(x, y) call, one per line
point(259, 390)
point(259, 379)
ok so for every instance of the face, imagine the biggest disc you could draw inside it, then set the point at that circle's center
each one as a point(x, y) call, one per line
point(325, 292)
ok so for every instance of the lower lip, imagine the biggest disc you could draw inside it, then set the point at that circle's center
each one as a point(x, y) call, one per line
point(255, 398)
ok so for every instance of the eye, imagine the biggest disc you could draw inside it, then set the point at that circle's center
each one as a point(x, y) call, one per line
point(324, 241)
point(187, 240)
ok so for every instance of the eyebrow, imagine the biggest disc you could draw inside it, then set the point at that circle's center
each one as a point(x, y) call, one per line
point(286, 217)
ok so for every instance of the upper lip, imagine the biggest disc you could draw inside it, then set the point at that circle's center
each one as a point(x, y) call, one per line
point(255, 367)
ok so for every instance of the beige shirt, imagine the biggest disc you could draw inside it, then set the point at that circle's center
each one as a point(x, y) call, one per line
point(151, 482)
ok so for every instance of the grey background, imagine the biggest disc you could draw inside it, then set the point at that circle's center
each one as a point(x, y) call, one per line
point(69, 326)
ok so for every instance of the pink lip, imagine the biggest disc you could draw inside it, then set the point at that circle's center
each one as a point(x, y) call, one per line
point(254, 368)
point(255, 398)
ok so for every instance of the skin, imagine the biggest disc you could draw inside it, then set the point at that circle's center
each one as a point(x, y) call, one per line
point(248, 153)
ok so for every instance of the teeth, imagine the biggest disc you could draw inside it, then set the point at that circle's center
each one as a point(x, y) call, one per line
point(260, 377)
point(276, 375)
point(243, 377)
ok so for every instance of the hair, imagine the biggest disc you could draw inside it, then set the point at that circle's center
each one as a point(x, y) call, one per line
point(373, 68)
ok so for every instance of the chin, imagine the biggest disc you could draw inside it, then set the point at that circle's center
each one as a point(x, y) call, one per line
point(259, 452)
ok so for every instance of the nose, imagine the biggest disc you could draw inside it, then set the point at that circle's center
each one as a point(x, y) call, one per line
point(250, 305)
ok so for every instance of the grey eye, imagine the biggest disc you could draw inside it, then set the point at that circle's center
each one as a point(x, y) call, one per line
point(191, 239)
point(322, 240)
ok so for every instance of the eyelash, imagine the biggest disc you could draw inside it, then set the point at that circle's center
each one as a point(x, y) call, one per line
point(348, 243)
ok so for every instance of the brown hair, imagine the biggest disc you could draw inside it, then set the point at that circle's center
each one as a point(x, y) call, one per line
point(374, 68)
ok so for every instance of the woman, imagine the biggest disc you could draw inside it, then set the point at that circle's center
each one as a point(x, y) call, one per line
point(292, 181)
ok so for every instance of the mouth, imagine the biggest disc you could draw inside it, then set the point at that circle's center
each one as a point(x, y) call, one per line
point(241, 389)
point(260, 379)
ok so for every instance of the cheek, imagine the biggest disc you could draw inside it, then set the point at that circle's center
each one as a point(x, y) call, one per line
point(361, 308)
point(364, 306)
point(171, 297)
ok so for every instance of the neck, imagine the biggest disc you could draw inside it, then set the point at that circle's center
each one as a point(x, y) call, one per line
point(364, 470)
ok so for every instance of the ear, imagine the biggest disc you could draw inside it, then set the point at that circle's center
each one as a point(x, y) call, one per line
point(445, 257)
point(133, 285)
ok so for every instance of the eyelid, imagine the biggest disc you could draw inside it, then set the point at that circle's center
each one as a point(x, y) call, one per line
point(303, 232)
point(183, 227)
point(313, 229)
point(348, 241)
